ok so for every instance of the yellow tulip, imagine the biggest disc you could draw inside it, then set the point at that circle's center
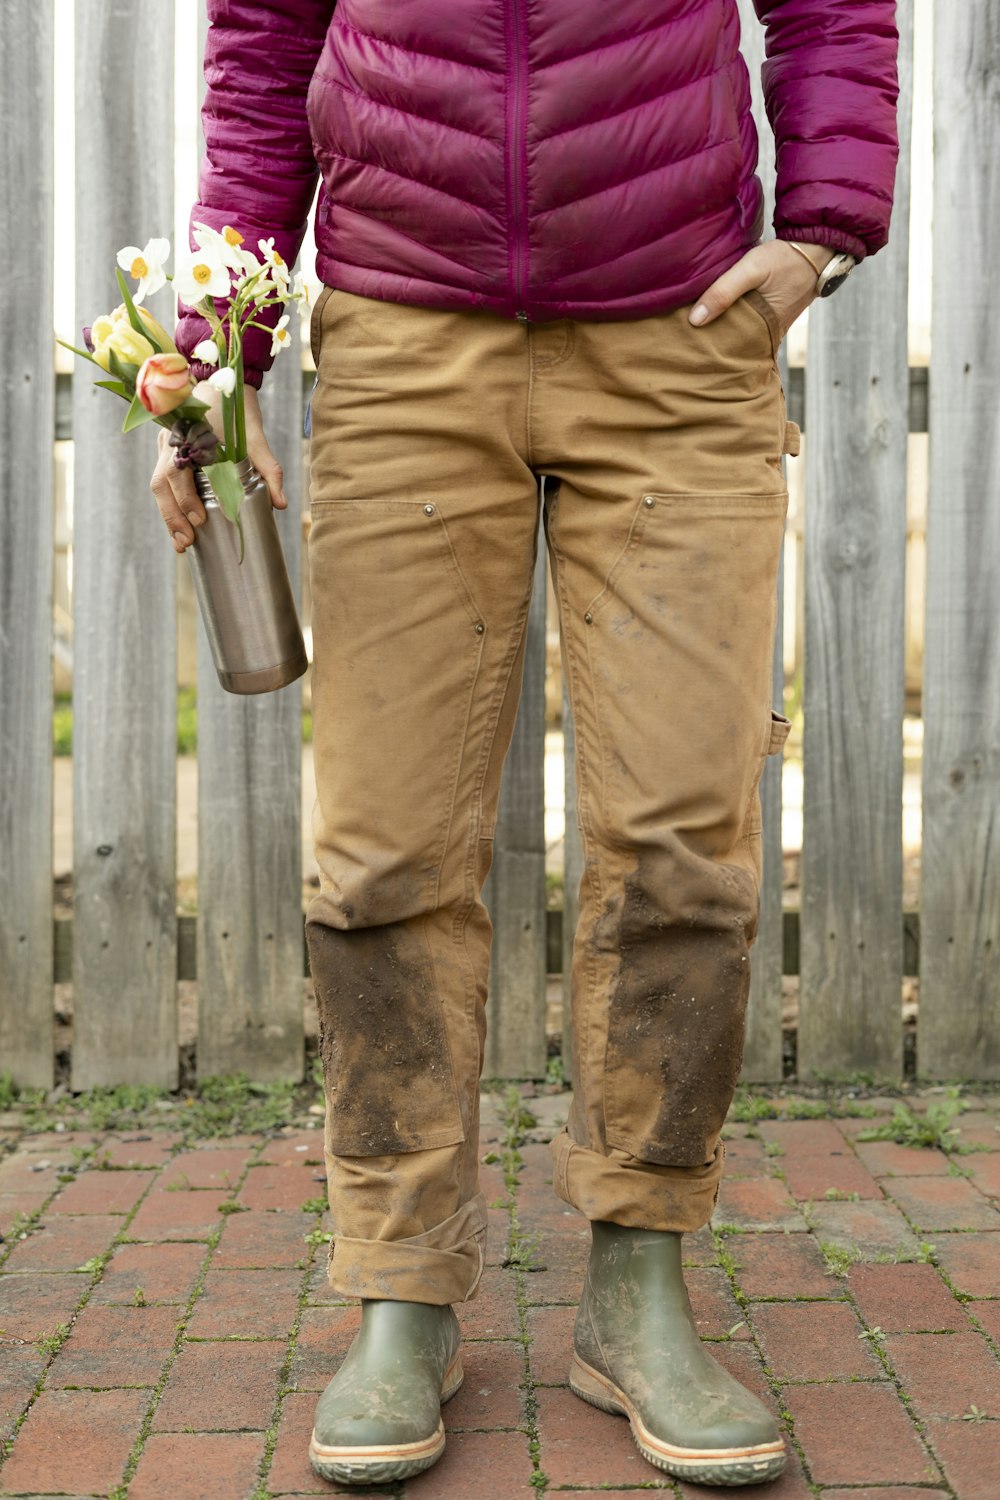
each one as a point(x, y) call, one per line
point(116, 332)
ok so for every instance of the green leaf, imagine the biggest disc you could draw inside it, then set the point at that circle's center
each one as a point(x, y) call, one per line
point(226, 483)
point(136, 415)
point(118, 386)
point(83, 353)
point(121, 370)
point(133, 315)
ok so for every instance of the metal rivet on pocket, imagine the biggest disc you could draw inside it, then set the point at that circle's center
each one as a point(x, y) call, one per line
point(480, 627)
point(589, 618)
point(428, 510)
point(648, 500)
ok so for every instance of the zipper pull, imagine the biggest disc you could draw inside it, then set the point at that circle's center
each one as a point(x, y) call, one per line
point(522, 317)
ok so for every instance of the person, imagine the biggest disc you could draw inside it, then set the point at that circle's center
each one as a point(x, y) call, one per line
point(539, 235)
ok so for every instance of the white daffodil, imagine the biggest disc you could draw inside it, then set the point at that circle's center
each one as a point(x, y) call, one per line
point(281, 338)
point(146, 265)
point(224, 244)
point(201, 274)
point(224, 380)
point(277, 263)
point(207, 351)
point(300, 289)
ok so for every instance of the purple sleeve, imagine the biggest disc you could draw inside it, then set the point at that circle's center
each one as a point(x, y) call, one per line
point(258, 172)
point(830, 85)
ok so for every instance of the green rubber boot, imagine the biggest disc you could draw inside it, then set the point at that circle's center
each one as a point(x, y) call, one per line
point(637, 1352)
point(379, 1419)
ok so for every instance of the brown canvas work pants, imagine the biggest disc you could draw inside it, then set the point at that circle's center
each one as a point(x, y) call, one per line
point(664, 519)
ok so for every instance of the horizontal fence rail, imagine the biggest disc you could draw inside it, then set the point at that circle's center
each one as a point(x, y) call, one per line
point(859, 400)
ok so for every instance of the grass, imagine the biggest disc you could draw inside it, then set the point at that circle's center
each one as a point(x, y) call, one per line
point(934, 1128)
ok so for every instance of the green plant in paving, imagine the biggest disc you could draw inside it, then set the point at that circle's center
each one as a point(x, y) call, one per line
point(314, 1206)
point(138, 1297)
point(53, 1342)
point(837, 1195)
point(935, 1128)
point(875, 1336)
point(838, 1258)
point(974, 1414)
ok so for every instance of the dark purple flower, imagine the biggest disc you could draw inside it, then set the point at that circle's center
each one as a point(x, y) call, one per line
point(193, 443)
point(87, 339)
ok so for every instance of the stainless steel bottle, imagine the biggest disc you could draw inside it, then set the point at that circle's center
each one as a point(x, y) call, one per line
point(248, 607)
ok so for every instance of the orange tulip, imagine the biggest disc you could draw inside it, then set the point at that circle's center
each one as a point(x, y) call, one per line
point(163, 383)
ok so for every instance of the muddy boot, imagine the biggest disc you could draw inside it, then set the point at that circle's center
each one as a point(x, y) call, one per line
point(637, 1352)
point(379, 1419)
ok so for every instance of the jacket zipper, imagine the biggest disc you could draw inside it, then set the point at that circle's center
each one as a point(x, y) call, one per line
point(516, 143)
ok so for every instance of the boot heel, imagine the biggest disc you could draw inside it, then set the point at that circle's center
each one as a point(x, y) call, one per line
point(591, 1387)
point(453, 1378)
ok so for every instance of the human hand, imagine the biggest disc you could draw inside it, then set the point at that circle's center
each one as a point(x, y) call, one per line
point(779, 273)
point(174, 488)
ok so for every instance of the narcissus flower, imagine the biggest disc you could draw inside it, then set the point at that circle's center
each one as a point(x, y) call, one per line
point(163, 383)
point(201, 274)
point(224, 380)
point(146, 265)
point(223, 244)
point(281, 338)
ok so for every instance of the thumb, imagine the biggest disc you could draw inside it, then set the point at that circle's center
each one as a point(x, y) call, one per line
point(723, 292)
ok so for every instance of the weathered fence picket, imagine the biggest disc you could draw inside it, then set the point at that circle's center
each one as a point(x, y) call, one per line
point(124, 695)
point(857, 421)
point(959, 1031)
point(27, 414)
point(250, 949)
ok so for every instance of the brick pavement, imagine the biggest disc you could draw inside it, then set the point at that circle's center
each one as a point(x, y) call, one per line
point(165, 1322)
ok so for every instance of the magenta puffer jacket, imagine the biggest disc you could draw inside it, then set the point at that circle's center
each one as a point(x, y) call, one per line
point(540, 158)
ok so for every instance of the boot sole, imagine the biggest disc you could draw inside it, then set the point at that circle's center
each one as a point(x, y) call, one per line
point(723, 1466)
point(384, 1464)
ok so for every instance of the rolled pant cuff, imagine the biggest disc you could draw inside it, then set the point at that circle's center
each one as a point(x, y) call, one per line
point(640, 1195)
point(442, 1265)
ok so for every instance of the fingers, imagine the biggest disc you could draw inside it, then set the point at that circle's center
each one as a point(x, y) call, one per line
point(259, 451)
point(176, 496)
point(723, 292)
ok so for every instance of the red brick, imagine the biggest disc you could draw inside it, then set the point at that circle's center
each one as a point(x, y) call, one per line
point(781, 1265)
point(206, 1167)
point(810, 1176)
point(745, 1157)
point(63, 1243)
point(988, 1314)
point(222, 1387)
point(868, 1228)
point(970, 1456)
point(895, 1492)
point(319, 1289)
point(857, 1434)
point(300, 1148)
point(491, 1396)
point(280, 1187)
point(699, 1247)
point(33, 1307)
point(33, 1172)
point(198, 1466)
point(985, 1172)
point(20, 1368)
point(972, 1262)
point(74, 1442)
point(798, 1136)
point(16, 1205)
point(945, 1374)
point(581, 1445)
point(551, 1330)
point(907, 1298)
point(887, 1159)
point(492, 1313)
point(978, 1127)
point(264, 1239)
point(715, 1309)
point(164, 1273)
point(178, 1216)
point(45, 1142)
point(759, 1203)
point(814, 1341)
point(246, 1304)
point(102, 1193)
point(324, 1337)
point(944, 1203)
point(496, 1464)
point(137, 1150)
point(564, 1254)
point(115, 1346)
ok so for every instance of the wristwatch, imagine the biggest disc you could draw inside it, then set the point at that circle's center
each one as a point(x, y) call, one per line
point(833, 274)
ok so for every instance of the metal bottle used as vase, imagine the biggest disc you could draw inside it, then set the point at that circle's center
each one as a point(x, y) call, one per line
point(248, 607)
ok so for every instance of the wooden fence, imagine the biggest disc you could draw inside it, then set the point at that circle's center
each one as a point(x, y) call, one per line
point(858, 402)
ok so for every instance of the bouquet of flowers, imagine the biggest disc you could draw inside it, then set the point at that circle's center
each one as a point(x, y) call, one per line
point(148, 371)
